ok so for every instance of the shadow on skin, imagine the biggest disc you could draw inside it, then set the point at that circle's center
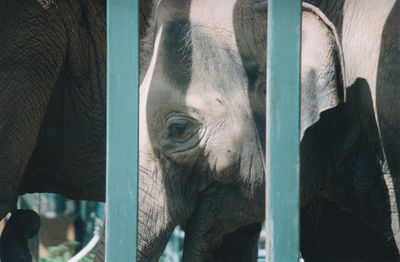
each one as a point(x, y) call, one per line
point(340, 236)
point(240, 245)
point(357, 226)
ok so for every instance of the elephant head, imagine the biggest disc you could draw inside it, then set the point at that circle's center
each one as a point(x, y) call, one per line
point(201, 160)
point(202, 121)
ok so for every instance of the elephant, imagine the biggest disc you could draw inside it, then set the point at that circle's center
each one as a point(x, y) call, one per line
point(52, 101)
point(202, 131)
point(202, 136)
point(53, 98)
point(369, 36)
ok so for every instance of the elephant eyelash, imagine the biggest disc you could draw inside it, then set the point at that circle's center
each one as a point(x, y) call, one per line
point(180, 128)
point(181, 132)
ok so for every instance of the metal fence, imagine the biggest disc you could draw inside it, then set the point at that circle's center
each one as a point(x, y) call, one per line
point(283, 129)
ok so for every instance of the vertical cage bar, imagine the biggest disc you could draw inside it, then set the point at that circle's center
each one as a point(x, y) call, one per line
point(122, 129)
point(283, 130)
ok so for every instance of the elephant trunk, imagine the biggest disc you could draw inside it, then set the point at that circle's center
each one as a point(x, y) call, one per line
point(155, 224)
point(231, 206)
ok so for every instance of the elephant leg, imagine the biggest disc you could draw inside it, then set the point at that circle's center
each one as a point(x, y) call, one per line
point(240, 245)
point(339, 236)
point(23, 225)
point(31, 57)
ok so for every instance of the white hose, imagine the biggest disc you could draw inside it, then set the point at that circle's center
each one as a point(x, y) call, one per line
point(84, 251)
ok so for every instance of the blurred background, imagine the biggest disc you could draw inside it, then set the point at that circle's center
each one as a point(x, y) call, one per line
point(71, 229)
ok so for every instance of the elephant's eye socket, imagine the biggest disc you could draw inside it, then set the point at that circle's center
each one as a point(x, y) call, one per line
point(181, 128)
point(181, 135)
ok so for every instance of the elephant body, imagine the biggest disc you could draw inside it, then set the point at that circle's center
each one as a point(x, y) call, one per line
point(367, 187)
point(53, 98)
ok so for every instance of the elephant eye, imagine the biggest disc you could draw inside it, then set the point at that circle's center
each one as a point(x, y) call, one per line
point(177, 130)
point(181, 135)
point(180, 129)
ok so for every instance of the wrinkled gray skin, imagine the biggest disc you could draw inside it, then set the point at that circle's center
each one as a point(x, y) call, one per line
point(201, 159)
point(53, 98)
point(52, 102)
point(202, 132)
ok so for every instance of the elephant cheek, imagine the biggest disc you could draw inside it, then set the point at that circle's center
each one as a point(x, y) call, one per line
point(224, 149)
point(221, 161)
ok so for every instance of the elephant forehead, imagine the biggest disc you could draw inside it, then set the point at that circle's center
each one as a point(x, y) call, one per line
point(215, 15)
point(212, 22)
point(215, 59)
point(198, 100)
point(198, 62)
point(199, 53)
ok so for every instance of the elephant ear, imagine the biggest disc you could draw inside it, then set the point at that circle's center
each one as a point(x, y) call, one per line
point(322, 67)
point(322, 58)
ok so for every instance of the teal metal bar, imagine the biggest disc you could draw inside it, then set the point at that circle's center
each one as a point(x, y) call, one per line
point(122, 129)
point(283, 130)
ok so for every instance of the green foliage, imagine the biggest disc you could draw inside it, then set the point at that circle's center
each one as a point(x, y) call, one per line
point(64, 252)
